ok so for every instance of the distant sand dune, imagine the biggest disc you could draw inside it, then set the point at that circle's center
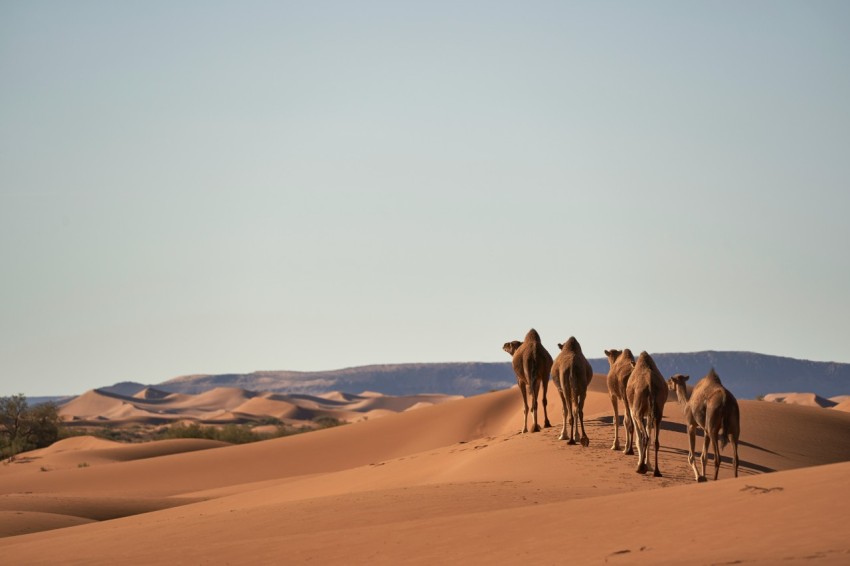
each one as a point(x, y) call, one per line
point(805, 399)
point(224, 405)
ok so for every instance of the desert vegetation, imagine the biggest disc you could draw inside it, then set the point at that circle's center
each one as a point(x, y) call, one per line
point(24, 427)
point(231, 433)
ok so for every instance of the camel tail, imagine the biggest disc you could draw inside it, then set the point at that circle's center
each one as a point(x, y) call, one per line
point(573, 386)
point(730, 423)
point(531, 369)
point(652, 419)
point(723, 433)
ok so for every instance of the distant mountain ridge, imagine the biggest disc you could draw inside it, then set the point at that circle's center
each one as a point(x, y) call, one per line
point(749, 375)
point(746, 374)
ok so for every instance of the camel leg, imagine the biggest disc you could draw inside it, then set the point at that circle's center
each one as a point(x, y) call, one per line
point(657, 472)
point(585, 441)
point(616, 445)
point(641, 445)
point(704, 456)
point(572, 437)
point(692, 437)
point(735, 454)
point(629, 423)
point(716, 448)
point(546, 423)
point(522, 390)
point(535, 391)
point(564, 406)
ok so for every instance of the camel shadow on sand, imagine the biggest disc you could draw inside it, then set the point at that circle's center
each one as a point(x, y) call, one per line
point(681, 428)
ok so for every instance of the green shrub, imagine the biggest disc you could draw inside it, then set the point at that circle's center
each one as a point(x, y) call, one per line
point(25, 428)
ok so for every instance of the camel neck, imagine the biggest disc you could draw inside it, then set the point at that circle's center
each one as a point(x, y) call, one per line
point(682, 395)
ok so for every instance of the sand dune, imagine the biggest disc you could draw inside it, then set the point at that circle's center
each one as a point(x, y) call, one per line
point(451, 482)
point(805, 399)
point(225, 405)
point(842, 403)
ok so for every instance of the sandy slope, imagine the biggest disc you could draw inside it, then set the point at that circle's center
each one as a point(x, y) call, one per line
point(446, 483)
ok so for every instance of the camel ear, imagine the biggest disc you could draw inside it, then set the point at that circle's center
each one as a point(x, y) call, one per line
point(685, 377)
point(560, 346)
point(607, 353)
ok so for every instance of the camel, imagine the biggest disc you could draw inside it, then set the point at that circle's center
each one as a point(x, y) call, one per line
point(646, 393)
point(572, 372)
point(532, 364)
point(714, 409)
point(621, 363)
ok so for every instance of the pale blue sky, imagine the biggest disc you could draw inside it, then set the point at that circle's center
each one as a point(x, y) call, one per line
point(209, 187)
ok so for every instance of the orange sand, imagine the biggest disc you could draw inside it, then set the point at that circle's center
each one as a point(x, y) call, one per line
point(446, 483)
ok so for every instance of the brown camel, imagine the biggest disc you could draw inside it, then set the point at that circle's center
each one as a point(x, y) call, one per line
point(646, 394)
point(714, 409)
point(532, 364)
point(572, 372)
point(621, 363)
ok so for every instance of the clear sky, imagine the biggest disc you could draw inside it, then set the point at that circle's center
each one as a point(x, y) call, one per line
point(210, 187)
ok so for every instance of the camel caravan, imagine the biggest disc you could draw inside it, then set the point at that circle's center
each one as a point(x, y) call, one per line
point(640, 387)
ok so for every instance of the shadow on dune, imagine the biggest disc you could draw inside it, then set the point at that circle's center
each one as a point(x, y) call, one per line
point(678, 427)
point(744, 466)
point(682, 429)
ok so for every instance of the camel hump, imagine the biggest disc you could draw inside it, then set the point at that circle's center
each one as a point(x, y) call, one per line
point(628, 354)
point(712, 376)
point(532, 336)
point(646, 360)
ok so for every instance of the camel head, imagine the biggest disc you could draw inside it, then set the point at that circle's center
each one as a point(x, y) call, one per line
point(511, 347)
point(570, 344)
point(612, 355)
point(677, 384)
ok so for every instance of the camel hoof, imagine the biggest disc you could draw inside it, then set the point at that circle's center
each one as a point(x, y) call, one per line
point(547, 424)
point(585, 441)
point(615, 447)
point(702, 479)
point(657, 474)
point(571, 442)
point(641, 469)
point(535, 428)
point(629, 452)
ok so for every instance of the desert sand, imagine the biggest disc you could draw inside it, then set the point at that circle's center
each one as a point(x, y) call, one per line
point(451, 482)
